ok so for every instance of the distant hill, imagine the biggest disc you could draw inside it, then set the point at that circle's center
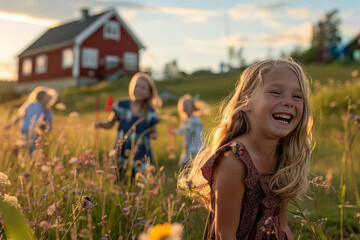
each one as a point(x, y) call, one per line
point(7, 85)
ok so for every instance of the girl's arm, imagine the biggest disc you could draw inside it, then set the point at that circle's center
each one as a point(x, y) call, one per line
point(108, 123)
point(229, 190)
point(154, 133)
point(283, 220)
point(13, 122)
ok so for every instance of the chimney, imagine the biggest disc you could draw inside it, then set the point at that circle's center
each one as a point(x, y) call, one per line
point(84, 14)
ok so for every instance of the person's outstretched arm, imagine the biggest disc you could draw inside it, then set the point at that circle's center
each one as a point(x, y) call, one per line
point(229, 190)
point(283, 220)
point(108, 123)
point(13, 122)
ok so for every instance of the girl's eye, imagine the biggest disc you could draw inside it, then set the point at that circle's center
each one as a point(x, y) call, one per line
point(298, 97)
point(275, 92)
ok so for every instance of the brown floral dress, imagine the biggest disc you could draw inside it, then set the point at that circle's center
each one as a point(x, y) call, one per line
point(260, 209)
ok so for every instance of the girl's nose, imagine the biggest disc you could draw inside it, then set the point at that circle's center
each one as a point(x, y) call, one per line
point(287, 101)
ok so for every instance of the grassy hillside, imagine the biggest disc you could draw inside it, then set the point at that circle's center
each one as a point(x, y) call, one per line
point(76, 138)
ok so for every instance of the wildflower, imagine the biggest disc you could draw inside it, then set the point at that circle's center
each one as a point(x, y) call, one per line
point(195, 206)
point(42, 128)
point(172, 156)
point(73, 160)
point(51, 209)
point(4, 179)
point(60, 106)
point(45, 168)
point(127, 152)
point(114, 167)
point(356, 118)
point(43, 224)
point(170, 148)
point(139, 177)
point(357, 216)
point(111, 176)
point(155, 191)
point(112, 153)
point(20, 142)
point(333, 104)
point(355, 73)
point(87, 203)
point(90, 183)
point(11, 200)
point(99, 171)
point(59, 167)
point(73, 115)
point(163, 231)
point(126, 210)
point(138, 165)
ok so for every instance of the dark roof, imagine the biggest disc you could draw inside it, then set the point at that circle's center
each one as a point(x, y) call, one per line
point(350, 43)
point(63, 33)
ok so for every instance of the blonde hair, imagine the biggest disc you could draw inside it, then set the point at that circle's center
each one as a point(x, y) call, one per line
point(196, 104)
point(291, 177)
point(154, 100)
point(36, 95)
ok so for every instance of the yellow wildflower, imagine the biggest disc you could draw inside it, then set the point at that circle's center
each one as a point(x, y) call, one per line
point(162, 232)
point(4, 179)
point(11, 200)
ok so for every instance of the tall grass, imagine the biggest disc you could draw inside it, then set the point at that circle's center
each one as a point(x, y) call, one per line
point(70, 189)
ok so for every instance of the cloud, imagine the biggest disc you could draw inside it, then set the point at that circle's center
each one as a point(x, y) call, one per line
point(299, 35)
point(262, 12)
point(24, 18)
point(188, 15)
point(299, 13)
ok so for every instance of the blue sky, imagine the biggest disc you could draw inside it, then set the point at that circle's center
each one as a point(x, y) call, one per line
point(195, 33)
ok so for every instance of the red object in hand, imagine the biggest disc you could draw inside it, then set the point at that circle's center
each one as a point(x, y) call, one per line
point(171, 130)
point(109, 103)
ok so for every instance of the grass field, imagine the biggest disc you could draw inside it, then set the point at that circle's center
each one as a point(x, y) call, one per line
point(69, 165)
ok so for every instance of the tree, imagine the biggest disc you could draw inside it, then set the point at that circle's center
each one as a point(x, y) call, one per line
point(326, 37)
point(171, 69)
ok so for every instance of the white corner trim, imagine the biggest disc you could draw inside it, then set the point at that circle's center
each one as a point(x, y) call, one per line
point(76, 65)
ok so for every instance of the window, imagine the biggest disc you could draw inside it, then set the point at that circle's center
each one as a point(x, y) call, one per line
point(41, 64)
point(90, 58)
point(112, 30)
point(356, 54)
point(111, 62)
point(130, 61)
point(27, 67)
point(67, 58)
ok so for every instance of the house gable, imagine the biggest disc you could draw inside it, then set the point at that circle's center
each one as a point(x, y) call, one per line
point(47, 54)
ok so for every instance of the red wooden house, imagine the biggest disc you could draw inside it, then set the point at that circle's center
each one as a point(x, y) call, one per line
point(80, 53)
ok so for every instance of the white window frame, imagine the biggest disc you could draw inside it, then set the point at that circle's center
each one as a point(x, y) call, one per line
point(111, 30)
point(41, 64)
point(111, 62)
point(90, 58)
point(130, 61)
point(26, 67)
point(67, 60)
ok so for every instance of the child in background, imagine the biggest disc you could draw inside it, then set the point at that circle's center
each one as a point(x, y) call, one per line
point(137, 122)
point(35, 111)
point(258, 156)
point(190, 128)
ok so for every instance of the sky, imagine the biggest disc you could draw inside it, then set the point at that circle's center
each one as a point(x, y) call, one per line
point(195, 33)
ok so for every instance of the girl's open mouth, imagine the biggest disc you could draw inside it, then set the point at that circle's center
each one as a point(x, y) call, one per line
point(283, 118)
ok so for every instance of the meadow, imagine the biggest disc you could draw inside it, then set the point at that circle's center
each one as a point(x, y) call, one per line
point(69, 188)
